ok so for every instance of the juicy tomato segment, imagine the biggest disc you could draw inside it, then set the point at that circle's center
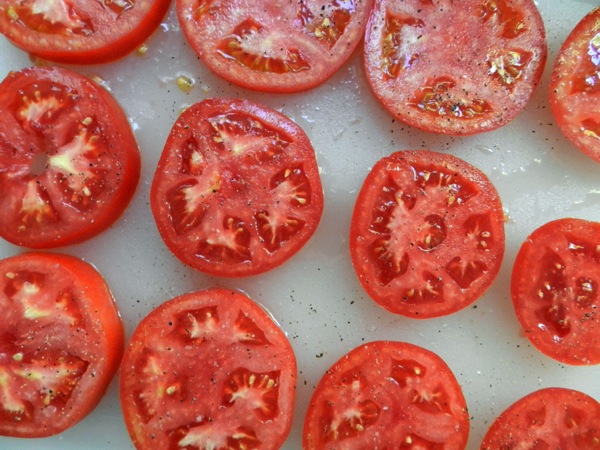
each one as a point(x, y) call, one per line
point(387, 395)
point(208, 370)
point(555, 290)
point(62, 340)
point(83, 32)
point(291, 47)
point(427, 233)
point(454, 69)
point(237, 190)
point(69, 161)
point(575, 86)
point(547, 418)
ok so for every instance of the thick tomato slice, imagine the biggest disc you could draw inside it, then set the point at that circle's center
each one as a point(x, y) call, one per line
point(455, 67)
point(83, 31)
point(237, 190)
point(274, 47)
point(427, 233)
point(60, 346)
point(556, 290)
point(575, 86)
point(208, 370)
point(69, 163)
point(387, 395)
point(550, 418)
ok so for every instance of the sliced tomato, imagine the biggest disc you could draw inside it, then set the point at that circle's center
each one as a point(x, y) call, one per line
point(208, 370)
point(237, 190)
point(69, 163)
point(385, 395)
point(61, 341)
point(274, 47)
point(575, 86)
point(555, 290)
point(427, 233)
point(550, 418)
point(83, 31)
point(455, 67)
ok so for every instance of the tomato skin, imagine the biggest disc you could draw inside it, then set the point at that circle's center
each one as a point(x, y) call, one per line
point(61, 323)
point(237, 190)
point(427, 233)
point(548, 418)
point(554, 289)
point(455, 68)
point(384, 395)
point(284, 47)
point(208, 368)
point(83, 32)
point(574, 92)
point(70, 163)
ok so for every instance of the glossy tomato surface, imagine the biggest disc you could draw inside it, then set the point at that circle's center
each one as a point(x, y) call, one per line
point(427, 233)
point(69, 163)
point(274, 47)
point(384, 395)
point(61, 342)
point(209, 370)
point(550, 418)
point(455, 67)
point(237, 190)
point(81, 32)
point(575, 86)
point(555, 282)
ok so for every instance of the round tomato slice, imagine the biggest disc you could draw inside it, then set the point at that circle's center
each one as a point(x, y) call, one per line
point(69, 163)
point(83, 31)
point(385, 395)
point(555, 290)
point(208, 370)
point(575, 86)
point(237, 190)
point(551, 418)
point(60, 346)
point(427, 233)
point(455, 67)
point(274, 47)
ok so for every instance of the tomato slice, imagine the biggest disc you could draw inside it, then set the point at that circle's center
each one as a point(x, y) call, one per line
point(61, 342)
point(69, 163)
point(555, 290)
point(83, 31)
point(575, 86)
point(274, 47)
point(455, 67)
point(209, 370)
point(427, 233)
point(237, 190)
point(387, 395)
point(550, 418)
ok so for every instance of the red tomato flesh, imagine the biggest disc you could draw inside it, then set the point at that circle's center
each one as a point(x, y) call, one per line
point(69, 163)
point(555, 290)
point(455, 67)
point(575, 86)
point(427, 233)
point(208, 370)
point(61, 343)
point(237, 190)
point(83, 31)
point(385, 395)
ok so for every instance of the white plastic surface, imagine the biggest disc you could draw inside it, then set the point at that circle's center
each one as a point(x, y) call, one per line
point(315, 296)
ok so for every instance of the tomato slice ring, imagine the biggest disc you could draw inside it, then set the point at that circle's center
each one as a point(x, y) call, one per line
point(209, 369)
point(237, 190)
point(455, 68)
point(62, 341)
point(427, 233)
